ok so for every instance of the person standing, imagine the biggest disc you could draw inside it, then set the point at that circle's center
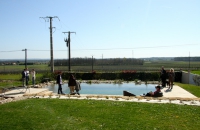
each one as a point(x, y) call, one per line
point(163, 76)
point(77, 87)
point(59, 82)
point(71, 83)
point(33, 77)
point(171, 78)
point(23, 77)
point(27, 76)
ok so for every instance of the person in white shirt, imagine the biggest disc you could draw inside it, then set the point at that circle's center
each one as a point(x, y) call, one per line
point(33, 77)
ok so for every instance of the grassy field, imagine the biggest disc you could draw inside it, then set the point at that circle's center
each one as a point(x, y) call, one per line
point(196, 72)
point(19, 68)
point(10, 76)
point(8, 80)
point(14, 76)
point(147, 66)
point(57, 114)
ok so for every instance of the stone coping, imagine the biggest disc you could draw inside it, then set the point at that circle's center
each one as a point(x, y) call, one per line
point(172, 100)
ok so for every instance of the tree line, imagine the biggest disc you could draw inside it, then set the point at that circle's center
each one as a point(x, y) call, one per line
point(98, 62)
point(187, 59)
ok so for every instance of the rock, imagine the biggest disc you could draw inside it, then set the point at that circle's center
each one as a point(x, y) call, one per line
point(126, 93)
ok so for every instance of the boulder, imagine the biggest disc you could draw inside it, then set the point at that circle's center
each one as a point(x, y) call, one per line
point(126, 93)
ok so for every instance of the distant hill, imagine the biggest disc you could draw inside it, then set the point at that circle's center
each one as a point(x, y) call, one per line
point(158, 59)
point(172, 59)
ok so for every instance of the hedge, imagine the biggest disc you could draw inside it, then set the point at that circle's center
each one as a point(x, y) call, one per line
point(144, 76)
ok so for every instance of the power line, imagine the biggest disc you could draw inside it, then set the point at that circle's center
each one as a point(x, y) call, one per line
point(40, 50)
point(11, 51)
point(138, 47)
point(123, 48)
point(109, 48)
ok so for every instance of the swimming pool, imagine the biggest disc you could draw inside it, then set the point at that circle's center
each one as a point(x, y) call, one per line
point(107, 88)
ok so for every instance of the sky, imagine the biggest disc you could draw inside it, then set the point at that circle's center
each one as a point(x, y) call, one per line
point(104, 28)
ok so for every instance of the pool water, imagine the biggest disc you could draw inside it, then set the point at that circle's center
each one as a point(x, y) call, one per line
point(107, 89)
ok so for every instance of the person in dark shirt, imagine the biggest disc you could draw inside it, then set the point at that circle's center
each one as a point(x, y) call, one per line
point(59, 82)
point(72, 83)
point(23, 77)
point(163, 76)
point(156, 93)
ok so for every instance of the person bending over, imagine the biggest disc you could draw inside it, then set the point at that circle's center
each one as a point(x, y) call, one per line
point(156, 93)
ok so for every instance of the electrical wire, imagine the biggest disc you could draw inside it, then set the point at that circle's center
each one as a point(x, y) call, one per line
point(108, 48)
point(11, 51)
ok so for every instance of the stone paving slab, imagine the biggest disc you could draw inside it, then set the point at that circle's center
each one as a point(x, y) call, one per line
point(177, 92)
point(17, 92)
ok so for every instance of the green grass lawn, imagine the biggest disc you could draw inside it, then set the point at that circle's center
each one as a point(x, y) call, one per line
point(15, 76)
point(20, 68)
point(8, 80)
point(58, 114)
point(10, 76)
point(196, 72)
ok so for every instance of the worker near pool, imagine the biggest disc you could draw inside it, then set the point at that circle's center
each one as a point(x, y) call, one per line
point(156, 93)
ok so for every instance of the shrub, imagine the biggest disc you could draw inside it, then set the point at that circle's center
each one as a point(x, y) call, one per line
point(196, 79)
point(125, 75)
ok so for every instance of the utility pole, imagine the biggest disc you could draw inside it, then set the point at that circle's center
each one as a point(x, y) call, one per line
point(92, 64)
point(102, 60)
point(25, 57)
point(189, 61)
point(189, 70)
point(68, 45)
point(51, 40)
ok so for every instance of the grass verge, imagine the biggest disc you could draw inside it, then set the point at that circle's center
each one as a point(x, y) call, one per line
point(196, 72)
point(8, 80)
point(72, 114)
